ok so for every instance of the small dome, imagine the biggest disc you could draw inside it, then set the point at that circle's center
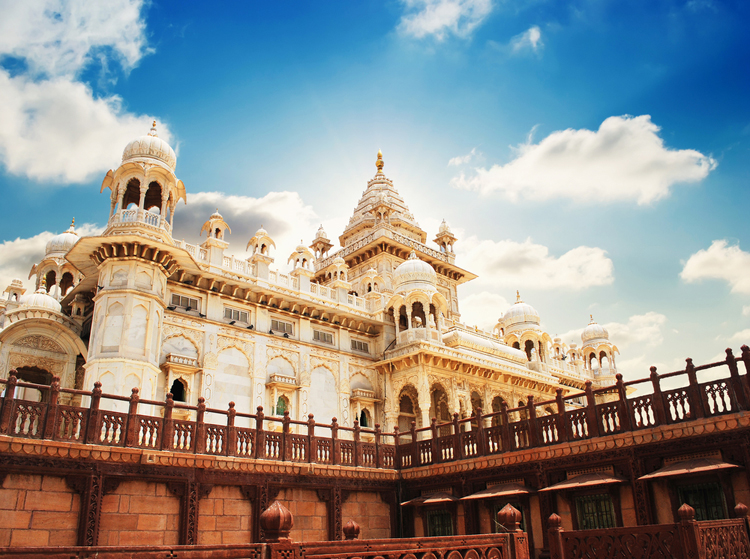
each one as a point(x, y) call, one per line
point(150, 147)
point(594, 332)
point(216, 215)
point(520, 313)
point(63, 242)
point(444, 228)
point(40, 299)
point(338, 261)
point(261, 232)
point(414, 273)
point(321, 234)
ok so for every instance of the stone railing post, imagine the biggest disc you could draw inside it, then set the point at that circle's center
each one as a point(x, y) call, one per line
point(689, 533)
point(351, 530)
point(592, 416)
point(505, 428)
point(554, 534)
point(694, 391)
point(260, 436)
point(5, 414)
point(737, 384)
point(510, 518)
point(479, 428)
point(532, 422)
point(94, 424)
point(335, 450)
point(200, 427)
point(623, 410)
point(231, 443)
point(396, 448)
point(741, 511)
point(562, 427)
point(286, 439)
point(378, 455)
point(746, 361)
point(51, 419)
point(415, 461)
point(458, 450)
point(276, 522)
point(658, 399)
point(167, 429)
point(312, 450)
point(133, 429)
point(434, 447)
point(357, 443)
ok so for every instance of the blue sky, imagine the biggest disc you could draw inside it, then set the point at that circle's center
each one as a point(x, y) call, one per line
point(592, 154)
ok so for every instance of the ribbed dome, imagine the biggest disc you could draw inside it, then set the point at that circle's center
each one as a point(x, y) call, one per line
point(594, 331)
point(321, 234)
point(150, 147)
point(520, 313)
point(414, 273)
point(40, 299)
point(444, 228)
point(63, 242)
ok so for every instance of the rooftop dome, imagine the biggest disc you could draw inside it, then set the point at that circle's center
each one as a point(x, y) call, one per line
point(40, 299)
point(414, 273)
point(63, 242)
point(321, 234)
point(444, 228)
point(150, 147)
point(594, 332)
point(520, 313)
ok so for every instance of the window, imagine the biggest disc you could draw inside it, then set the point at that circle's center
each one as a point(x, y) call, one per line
point(595, 512)
point(324, 337)
point(282, 405)
point(439, 523)
point(235, 314)
point(706, 498)
point(360, 346)
point(281, 326)
point(187, 303)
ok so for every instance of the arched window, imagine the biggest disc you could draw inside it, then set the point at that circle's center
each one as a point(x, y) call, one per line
point(363, 422)
point(528, 347)
point(50, 279)
point(66, 282)
point(132, 194)
point(282, 405)
point(178, 391)
point(152, 201)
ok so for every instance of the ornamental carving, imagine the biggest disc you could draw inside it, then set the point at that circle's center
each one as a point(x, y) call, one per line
point(195, 336)
point(211, 361)
point(291, 356)
point(40, 342)
point(52, 366)
point(245, 347)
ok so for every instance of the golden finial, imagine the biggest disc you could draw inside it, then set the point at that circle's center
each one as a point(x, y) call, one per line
point(518, 296)
point(73, 222)
point(591, 317)
point(379, 163)
point(154, 124)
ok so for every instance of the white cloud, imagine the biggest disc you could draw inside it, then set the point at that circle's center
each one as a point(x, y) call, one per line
point(18, 256)
point(483, 309)
point(625, 160)
point(741, 337)
point(720, 261)
point(52, 126)
point(442, 17)
point(463, 159)
point(283, 214)
point(519, 265)
point(746, 310)
point(529, 39)
point(60, 37)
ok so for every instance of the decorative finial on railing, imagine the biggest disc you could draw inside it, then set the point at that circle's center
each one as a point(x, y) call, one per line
point(276, 522)
point(351, 530)
point(510, 518)
point(686, 513)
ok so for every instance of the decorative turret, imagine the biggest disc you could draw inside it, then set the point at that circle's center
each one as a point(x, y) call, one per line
point(302, 259)
point(322, 244)
point(215, 245)
point(597, 351)
point(445, 239)
point(58, 274)
point(144, 189)
point(260, 252)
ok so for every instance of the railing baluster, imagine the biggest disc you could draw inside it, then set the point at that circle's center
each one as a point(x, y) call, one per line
point(131, 435)
point(658, 399)
point(51, 418)
point(231, 442)
point(737, 385)
point(10, 390)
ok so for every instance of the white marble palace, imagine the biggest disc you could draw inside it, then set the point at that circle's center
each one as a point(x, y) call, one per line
point(369, 332)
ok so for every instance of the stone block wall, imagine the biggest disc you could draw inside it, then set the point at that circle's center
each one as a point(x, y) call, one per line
point(310, 514)
point(369, 511)
point(37, 510)
point(138, 512)
point(224, 517)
